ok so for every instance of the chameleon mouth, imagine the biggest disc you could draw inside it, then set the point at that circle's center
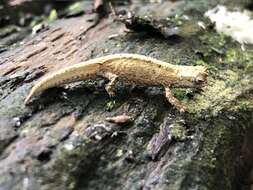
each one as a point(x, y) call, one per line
point(202, 84)
point(201, 80)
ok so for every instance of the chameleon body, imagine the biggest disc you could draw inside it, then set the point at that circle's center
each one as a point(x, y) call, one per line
point(133, 68)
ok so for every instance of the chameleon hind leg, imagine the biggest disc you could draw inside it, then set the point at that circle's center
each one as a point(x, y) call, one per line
point(110, 86)
point(174, 101)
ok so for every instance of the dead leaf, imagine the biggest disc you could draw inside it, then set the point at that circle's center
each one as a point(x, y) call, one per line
point(120, 119)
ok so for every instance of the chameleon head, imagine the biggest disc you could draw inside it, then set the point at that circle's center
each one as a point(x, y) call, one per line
point(192, 76)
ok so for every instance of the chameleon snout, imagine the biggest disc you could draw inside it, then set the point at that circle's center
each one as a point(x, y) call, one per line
point(201, 79)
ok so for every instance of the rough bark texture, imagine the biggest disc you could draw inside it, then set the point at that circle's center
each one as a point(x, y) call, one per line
point(63, 141)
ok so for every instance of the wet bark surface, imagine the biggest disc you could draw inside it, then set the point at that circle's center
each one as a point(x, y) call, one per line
point(63, 140)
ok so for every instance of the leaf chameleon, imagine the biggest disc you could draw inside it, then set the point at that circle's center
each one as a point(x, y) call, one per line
point(132, 68)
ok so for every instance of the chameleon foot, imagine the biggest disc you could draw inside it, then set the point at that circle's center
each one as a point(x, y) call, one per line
point(110, 86)
point(175, 102)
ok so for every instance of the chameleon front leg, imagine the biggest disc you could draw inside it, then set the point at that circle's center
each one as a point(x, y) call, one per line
point(110, 86)
point(175, 102)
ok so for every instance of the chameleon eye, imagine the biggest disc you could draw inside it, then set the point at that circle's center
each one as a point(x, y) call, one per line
point(200, 79)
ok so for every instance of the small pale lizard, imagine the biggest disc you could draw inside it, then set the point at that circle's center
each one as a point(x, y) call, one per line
point(133, 68)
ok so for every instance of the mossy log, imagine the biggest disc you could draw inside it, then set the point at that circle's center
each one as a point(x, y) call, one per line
point(63, 141)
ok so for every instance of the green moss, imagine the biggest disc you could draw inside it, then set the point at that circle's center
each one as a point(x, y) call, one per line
point(200, 62)
point(110, 105)
point(179, 93)
point(52, 16)
point(214, 40)
point(178, 132)
point(231, 56)
point(178, 20)
point(37, 20)
point(75, 7)
point(8, 30)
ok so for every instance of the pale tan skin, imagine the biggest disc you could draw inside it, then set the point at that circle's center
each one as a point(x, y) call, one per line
point(133, 68)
